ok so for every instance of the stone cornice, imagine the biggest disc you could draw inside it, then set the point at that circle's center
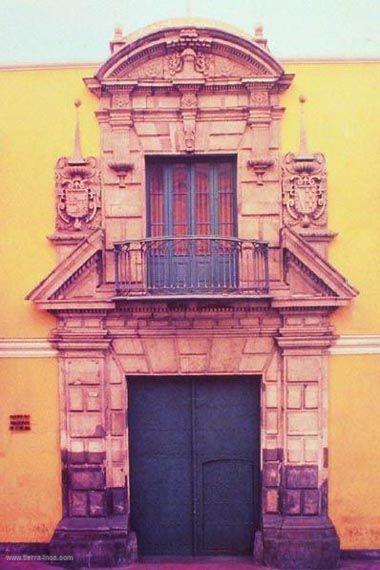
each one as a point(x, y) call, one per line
point(26, 348)
point(347, 344)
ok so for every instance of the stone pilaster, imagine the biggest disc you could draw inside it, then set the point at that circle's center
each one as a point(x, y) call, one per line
point(297, 532)
point(95, 525)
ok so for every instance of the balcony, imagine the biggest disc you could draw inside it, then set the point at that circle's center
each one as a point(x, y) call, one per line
point(194, 266)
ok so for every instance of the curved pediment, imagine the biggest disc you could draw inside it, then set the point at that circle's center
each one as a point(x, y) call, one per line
point(179, 51)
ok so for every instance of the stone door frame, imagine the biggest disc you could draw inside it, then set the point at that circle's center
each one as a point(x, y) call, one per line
point(288, 351)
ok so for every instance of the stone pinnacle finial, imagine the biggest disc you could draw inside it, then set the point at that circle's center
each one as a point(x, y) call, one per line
point(258, 36)
point(118, 40)
point(77, 157)
point(259, 29)
point(118, 34)
point(303, 137)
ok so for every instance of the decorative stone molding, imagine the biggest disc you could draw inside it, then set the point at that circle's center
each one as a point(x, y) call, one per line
point(356, 344)
point(291, 260)
point(26, 348)
point(121, 100)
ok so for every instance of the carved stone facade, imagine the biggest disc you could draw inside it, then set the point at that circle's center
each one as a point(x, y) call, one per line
point(205, 91)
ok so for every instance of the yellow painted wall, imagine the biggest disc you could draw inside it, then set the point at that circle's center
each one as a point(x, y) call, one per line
point(343, 122)
point(30, 471)
point(36, 127)
point(354, 450)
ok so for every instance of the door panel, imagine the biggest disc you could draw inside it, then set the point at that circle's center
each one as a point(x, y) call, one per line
point(194, 448)
point(160, 465)
point(227, 506)
point(227, 449)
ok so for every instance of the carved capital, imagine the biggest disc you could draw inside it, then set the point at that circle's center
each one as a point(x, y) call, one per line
point(77, 194)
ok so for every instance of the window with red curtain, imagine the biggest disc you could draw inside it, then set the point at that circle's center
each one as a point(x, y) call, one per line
point(225, 198)
point(156, 198)
point(194, 196)
point(180, 200)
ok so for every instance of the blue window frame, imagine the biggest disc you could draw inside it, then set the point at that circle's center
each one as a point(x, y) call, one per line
point(191, 208)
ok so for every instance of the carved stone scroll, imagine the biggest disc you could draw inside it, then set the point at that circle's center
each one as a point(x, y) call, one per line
point(188, 63)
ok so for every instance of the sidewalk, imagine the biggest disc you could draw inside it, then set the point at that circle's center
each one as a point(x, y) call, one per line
point(211, 564)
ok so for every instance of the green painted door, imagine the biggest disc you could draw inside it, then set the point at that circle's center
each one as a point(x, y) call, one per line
point(194, 464)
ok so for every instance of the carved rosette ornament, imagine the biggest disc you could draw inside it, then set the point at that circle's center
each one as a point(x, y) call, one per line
point(304, 190)
point(77, 189)
point(121, 101)
point(259, 97)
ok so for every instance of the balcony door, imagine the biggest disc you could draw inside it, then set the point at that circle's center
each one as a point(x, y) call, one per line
point(192, 223)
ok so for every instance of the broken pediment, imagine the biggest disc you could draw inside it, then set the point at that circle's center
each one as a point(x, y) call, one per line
point(75, 279)
point(309, 275)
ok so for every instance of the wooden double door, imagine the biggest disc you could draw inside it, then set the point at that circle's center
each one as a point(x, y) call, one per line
point(194, 464)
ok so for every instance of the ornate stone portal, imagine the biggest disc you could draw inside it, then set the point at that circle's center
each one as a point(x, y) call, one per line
point(205, 91)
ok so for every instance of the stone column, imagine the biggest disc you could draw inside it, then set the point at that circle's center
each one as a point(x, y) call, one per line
point(297, 532)
point(94, 529)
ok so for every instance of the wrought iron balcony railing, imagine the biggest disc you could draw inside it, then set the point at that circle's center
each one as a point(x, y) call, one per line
point(191, 265)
